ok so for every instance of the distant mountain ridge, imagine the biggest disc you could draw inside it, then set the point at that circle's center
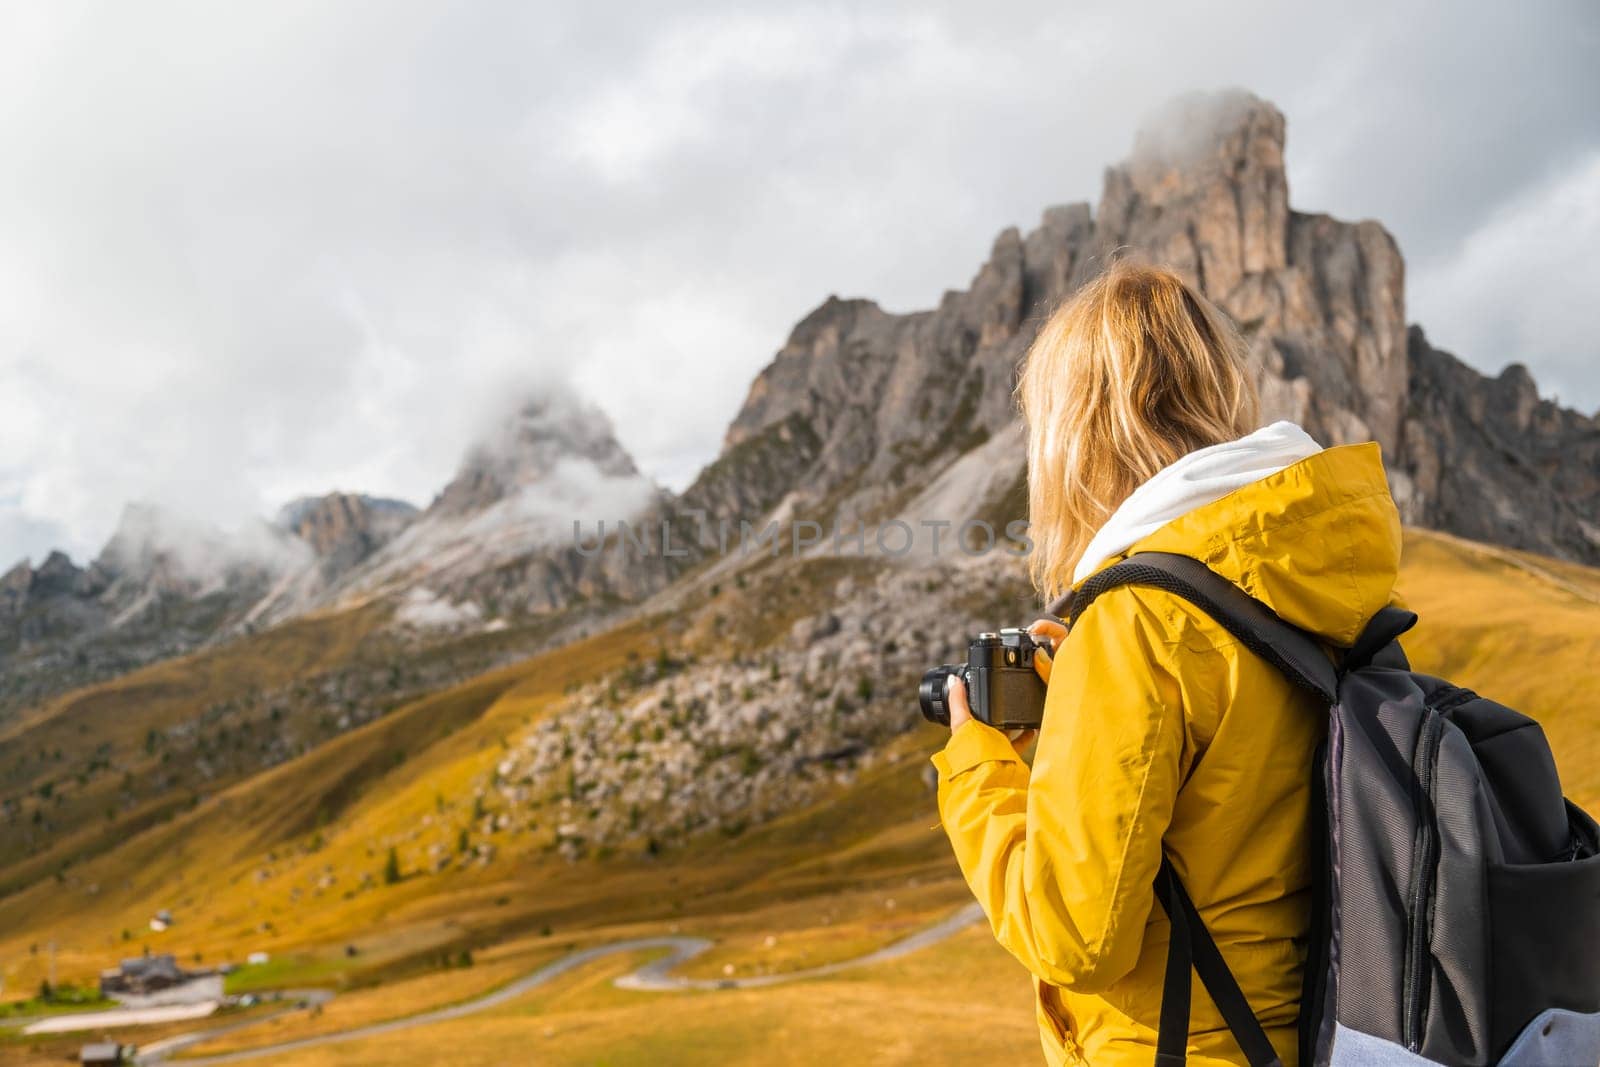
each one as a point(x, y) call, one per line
point(164, 585)
point(864, 415)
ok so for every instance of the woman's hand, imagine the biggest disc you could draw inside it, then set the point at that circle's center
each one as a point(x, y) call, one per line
point(955, 698)
point(1053, 632)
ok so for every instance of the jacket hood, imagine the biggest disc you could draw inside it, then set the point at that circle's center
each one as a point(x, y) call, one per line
point(1202, 476)
point(1317, 541)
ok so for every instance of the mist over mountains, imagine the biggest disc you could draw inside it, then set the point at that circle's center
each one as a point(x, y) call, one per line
point(864, 416)
point(165, 584)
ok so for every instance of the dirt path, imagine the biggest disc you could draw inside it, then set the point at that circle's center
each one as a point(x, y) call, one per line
point(653, 977)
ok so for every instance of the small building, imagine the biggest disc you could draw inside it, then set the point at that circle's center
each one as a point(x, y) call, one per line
point(156, 981)
point(141, 975)
point(101, 1053)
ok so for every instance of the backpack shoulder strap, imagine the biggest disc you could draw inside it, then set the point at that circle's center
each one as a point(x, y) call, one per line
point(1378, 644)
point(1301, 659)
point(1192, 948)
point(1291, 650)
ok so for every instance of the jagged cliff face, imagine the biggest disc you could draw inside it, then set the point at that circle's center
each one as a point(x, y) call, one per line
point(342, 529)
point(1493, 462)
point(894, 399)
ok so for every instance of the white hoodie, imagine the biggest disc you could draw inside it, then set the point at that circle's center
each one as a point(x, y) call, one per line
point(1194, 480)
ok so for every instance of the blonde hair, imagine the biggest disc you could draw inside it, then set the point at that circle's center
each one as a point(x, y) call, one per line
point(1134, 371)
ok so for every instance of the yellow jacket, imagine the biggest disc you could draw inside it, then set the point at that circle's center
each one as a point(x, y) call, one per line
point(1161, 733)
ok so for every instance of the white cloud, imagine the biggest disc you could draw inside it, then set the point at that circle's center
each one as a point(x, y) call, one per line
point(424, 611)
point(668, 98)
point(1523, 287)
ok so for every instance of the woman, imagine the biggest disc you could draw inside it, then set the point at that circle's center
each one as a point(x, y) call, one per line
point(1160, 733)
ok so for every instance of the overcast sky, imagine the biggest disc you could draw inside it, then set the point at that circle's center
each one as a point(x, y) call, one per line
point(249, 252)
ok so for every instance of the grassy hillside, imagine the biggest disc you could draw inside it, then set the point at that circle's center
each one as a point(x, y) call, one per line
point(1518, 628)
point(100, 765)
point(91, 769)
point(295, 855)
point(292, 859)
point(961, 1002)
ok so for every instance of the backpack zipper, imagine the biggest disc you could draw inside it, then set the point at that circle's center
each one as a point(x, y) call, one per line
point(1424, 860)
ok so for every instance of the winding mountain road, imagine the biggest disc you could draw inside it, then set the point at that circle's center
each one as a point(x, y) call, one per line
point(653, 977)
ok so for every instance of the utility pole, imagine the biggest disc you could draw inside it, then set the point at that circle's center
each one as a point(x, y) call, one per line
point(52, 964)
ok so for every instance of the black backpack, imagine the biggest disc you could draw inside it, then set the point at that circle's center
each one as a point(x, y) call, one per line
point(1456, 893)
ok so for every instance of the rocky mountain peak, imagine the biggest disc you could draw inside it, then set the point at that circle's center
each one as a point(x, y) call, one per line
point(1205, 189)
point(1202, 137)
point(1519, 394)
point(1321, 301)
point(541, 436)
point(499, 538)
point(145, 536)
point(56, 577)
point(344, 528)
point(57, 574)
point(784, 388)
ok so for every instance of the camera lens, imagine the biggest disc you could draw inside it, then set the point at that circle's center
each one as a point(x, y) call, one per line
point(931, 693)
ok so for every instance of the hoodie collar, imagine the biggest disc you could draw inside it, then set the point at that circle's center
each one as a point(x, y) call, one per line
point(1202, 477)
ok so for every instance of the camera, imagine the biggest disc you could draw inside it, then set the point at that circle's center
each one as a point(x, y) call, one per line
point(1002, 687)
